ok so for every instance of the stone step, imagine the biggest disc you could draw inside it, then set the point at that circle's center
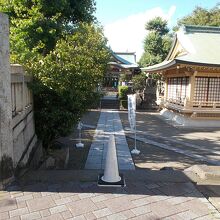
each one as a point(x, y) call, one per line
point(111, 104)
point(59, 176)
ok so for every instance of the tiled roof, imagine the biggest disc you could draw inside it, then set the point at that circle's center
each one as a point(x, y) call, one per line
point(201, 45)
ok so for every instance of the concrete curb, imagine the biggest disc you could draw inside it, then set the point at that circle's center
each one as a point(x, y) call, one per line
point(205, 172)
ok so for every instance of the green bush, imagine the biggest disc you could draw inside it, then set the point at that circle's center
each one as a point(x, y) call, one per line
point(123, 92)
point(123, 104)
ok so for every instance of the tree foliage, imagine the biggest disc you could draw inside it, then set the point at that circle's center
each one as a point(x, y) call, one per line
point(157, 43)
point(36, 25)
point(65, 51)
point(157, 25)
point(139, 82)
point(202, 16)
point(67, 79)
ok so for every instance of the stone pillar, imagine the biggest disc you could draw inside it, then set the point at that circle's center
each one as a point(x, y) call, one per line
point(6, 141)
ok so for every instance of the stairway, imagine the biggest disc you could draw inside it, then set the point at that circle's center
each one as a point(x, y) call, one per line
point(110, 103)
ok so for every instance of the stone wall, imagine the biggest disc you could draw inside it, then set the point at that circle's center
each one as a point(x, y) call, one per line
point(6, 143)
point(24, 137)
point(18, 140)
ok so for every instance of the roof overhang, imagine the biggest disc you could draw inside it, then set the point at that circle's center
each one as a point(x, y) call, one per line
point(124, 66)
point(170, 64)
point(160, 67)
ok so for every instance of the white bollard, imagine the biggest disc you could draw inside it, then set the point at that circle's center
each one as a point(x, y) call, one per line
point(79, 127)
point(111, 175)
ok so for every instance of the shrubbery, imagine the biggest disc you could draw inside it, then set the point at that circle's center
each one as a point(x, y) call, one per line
point(65, 82)
point(123, 92)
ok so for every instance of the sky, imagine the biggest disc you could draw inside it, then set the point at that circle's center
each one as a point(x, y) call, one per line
point(124, 20)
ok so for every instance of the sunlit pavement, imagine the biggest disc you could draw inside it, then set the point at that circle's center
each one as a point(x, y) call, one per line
point(68, 194)
point(147, 195)
point(109, 123)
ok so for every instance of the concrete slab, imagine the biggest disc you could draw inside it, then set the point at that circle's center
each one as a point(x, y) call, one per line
point(110, 124)
point(205, 172)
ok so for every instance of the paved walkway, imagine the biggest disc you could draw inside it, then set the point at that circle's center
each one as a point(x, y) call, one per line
point(109, 123)
point(152, 195)
point(69, 194)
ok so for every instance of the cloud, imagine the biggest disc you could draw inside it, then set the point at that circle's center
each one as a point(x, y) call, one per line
point(128, 34)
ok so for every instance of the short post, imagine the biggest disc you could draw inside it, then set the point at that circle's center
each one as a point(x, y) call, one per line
point(111, 176)
point(135, 150)
point(132, 120)
point(79, 127)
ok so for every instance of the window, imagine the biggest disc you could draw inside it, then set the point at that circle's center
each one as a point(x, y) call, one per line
point(207, 89)
point(177, 88)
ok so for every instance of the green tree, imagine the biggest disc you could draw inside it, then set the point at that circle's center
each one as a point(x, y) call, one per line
point(158, 25)
point(157, 43)
point(66, 81)
point(62, 47)
point(202, 16)
point(36, 25)
point(139, 82)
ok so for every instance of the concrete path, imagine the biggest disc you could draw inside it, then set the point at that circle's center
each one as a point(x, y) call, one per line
point(109, 123)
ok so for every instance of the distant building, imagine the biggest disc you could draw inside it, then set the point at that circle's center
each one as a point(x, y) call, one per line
point(121, 63)
point(192, 77)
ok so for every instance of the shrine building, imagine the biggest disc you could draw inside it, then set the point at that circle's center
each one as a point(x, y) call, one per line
point(192, 78)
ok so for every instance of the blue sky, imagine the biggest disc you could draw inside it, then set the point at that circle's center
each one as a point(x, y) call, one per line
point(124, 20)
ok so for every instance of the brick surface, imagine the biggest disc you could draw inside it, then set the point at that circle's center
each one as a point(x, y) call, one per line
point(163, 209)
point(57, 216)
point(45, 213)
point(21, 204)
point(18, 194)
point(15, 218)
point(31, 216)
point(119, 204)
point(90, 216)
point(81, 217)
point(37, 195)
point(40, 203)
point(141, 210)
point(187, 215)
point(117, 216)
point(148, 216)
point(89, 202)
point(25, 197)
point(57, 209)
point(128, 214)
point(66, 215)
point(18, 212)
point(63, 201)
point(81, 207)
point(102, 212)
point(101, 205)
point(7, 205)
point(4, 215)
point(142, 201)
point(205, 217)
point(99, 198)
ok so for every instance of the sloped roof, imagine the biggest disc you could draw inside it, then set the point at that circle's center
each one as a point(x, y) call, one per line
point(199, 45)
point(124, 59)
